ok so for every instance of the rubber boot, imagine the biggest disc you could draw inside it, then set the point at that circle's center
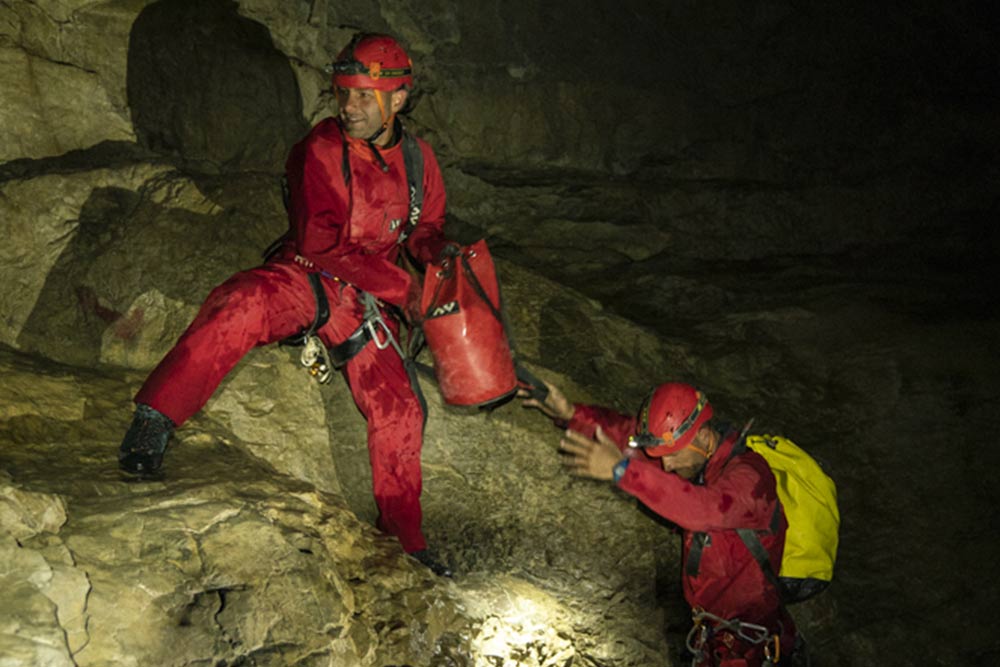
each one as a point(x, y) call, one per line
point(141, 452)
point(431, 563)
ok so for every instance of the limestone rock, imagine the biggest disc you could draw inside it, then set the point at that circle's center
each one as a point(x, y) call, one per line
point(41, 215)
point(25, 514)
point(220, 93)
point(275, 408)
point(797, 206)
point(146, 331)
point(62, 70)
point(29, 632)
point(50, 107)
point(226, 558)
point(74, 279)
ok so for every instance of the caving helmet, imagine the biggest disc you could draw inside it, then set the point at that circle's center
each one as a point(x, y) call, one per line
point(670, 418)
point(373, 61)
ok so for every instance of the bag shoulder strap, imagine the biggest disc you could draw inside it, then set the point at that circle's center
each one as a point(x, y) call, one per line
point(749, 536)
point(413, 162)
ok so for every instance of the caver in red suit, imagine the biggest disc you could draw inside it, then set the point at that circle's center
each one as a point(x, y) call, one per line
point(350, 232)
point(347, 212)
point(730, 493)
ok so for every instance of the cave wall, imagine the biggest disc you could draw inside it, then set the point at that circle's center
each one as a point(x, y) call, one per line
point(772, 91)
point(740, 128)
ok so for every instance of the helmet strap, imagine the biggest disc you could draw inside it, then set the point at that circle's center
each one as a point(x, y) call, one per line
point(707, 451)
point(387, 120)
point(704, 452)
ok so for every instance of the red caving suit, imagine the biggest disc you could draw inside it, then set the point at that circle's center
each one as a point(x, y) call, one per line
point(738, 492)
point(349, 231)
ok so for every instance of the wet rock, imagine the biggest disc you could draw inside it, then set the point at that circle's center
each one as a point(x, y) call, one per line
point(62, 69)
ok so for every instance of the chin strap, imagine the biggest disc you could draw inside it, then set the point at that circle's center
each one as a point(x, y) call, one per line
point(386, 120)
point(704, 452)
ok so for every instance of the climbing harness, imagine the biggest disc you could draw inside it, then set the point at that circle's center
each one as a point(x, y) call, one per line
point(709, 629)
point(316, 357)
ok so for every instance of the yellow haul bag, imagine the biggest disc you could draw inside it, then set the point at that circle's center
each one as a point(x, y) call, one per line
point(809, 498)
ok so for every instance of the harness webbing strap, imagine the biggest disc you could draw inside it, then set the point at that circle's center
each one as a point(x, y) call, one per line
point(341, 354)
point(481, 293)
point(749, 536)
point(753, 544)
point(322, 304)
point(322, 312)
point(698, 542)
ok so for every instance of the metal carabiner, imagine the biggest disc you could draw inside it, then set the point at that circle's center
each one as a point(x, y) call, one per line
point(315, 358)
point(374, 334)
point(759, 636)
point(775, 657)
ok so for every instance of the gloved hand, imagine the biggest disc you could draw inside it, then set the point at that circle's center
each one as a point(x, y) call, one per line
point(550, 402)
point(450, 250)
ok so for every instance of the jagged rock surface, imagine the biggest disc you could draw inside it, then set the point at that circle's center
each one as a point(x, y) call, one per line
point(227, 558)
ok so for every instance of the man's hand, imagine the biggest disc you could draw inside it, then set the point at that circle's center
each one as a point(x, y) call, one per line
point(590, 458)
point(449, 251)
point(555, 404)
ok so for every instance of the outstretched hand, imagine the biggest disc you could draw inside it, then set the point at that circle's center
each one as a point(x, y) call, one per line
point(590, 457)
point(555, 404)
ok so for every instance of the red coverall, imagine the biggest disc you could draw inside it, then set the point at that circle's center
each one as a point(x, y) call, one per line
point(349, 231)
point(738, 492)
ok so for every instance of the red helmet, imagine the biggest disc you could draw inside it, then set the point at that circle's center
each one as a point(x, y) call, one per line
point(670, 418)
point(373, 61)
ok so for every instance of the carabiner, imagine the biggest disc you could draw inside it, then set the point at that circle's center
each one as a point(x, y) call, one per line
point(759, 636)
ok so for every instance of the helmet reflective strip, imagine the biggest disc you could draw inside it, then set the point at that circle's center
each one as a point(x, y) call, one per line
point(353, 68)
point(693, 417)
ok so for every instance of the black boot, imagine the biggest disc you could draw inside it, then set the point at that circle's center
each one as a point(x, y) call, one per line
point(142, 449)
point(432, 564)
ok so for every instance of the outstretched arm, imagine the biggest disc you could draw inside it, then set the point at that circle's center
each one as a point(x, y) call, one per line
point(584, 419)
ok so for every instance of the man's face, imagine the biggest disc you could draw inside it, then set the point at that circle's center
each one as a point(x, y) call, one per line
point(687, 463)
point(360, 112)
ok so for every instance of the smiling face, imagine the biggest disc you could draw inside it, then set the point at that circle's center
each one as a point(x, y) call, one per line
point(363, 116)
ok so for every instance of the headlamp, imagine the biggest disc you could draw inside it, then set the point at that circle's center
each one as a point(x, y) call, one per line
point(348, 68)
point(645, 441)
